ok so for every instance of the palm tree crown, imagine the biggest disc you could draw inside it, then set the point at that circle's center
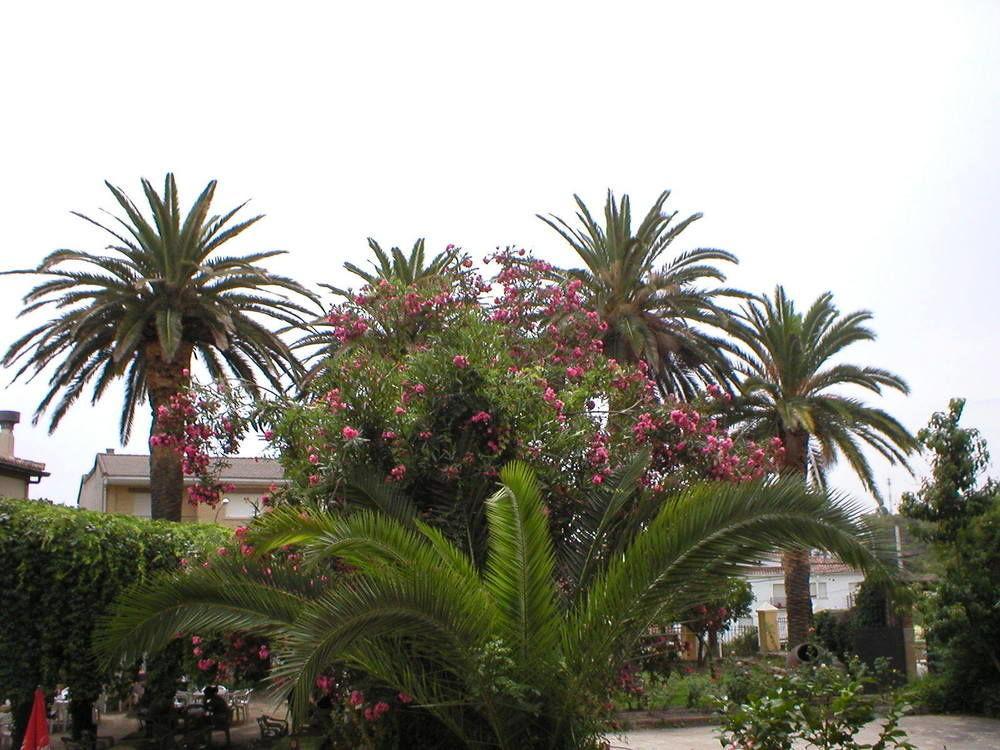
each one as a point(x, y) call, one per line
point(499, 655)
point(404, 269)
point(789, 375)
point(662, 315)
point(158, 299)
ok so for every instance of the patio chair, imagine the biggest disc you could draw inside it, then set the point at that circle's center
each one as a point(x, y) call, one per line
point(272, 729)
point(240, 702)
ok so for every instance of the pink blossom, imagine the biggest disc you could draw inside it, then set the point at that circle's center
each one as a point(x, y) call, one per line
point(405, 698)
point(313, 458)
point(461, 362)
point(356, 698)
point(397, 473)
point(480, 417)
point(349, 433)
point(206, 664)
point(263, 653)
point(313, 480)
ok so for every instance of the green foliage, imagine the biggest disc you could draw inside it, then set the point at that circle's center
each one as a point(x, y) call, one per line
point(961, 611)
point(62, 568)
point(163, 293)
point(496, 656)
point(788, 374)
point(821, 705)
point(745, 644)
point(661, 314)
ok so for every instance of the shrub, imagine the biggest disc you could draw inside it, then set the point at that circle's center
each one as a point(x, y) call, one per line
point(820, 705)
point(745, 644)
point(62, 567)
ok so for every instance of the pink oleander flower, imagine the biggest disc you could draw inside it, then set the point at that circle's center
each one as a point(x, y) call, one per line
point(263, 653)
point(313, 458)
point(206, 664)
point(480, 417)
point(397, 473)
point(313, 480)
point(405, 698)
point(388, 435)
point(349, 433)
point(356, 698)
point(269, 434)
point(460, 361)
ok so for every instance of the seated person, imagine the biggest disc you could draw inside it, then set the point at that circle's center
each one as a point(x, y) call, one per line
point(217, 709)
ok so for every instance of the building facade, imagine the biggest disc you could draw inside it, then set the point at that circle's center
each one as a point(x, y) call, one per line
point(16, 474)
point(832, 583)
point(119, 483)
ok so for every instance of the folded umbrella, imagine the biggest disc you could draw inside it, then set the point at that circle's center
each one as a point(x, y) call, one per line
point(36, 737)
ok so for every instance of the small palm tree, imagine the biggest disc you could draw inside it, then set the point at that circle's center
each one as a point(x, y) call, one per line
point(660, 314)
point(404, 273)
point(398, 268)
point(163, 297)
point(499, 655)
point(788, 392)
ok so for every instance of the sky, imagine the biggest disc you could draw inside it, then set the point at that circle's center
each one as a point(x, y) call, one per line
point(850, 147)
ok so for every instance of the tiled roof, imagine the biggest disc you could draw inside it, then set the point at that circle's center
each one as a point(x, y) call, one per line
point(817, 564)
point(22, 466)
point(137, 465)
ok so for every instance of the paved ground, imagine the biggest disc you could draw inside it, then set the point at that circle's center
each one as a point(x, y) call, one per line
point(926, 732)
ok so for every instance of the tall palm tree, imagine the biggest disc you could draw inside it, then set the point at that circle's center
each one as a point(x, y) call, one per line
point(788, 392)
point(662, 314)
point(498, 655)
point(163, 297)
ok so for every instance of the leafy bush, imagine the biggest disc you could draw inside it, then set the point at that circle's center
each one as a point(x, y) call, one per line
point(745, 644)
point(62, 568)
point(821, 705)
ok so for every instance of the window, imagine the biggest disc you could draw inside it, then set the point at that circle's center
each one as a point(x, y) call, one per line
point(141, 506)
point(817, 590)
point(242, 507)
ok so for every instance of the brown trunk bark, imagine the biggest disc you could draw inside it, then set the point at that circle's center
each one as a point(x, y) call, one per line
point(166, 477)
point(795, 562)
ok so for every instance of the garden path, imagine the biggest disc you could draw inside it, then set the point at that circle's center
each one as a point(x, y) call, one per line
point(926, 732)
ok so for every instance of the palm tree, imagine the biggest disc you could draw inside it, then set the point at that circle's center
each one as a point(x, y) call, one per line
point(789, 374)
point(398, 268)
point(163, 297)
point(498, 655)
point(403, 272)
point(662, 315)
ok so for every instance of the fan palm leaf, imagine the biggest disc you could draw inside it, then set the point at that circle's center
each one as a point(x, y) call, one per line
point(494, 654)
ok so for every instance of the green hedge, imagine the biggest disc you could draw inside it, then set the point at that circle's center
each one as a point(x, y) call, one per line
point(60, 569)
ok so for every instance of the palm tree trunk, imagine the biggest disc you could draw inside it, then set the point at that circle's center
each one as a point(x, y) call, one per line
point(166, 477)
point(795, 562)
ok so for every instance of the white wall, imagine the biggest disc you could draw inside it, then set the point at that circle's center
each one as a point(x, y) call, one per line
point(839, 587)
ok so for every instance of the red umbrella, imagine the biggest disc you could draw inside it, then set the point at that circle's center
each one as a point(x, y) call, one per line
point(36, 737)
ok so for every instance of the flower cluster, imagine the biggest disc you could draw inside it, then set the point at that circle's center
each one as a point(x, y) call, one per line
point(238, 659)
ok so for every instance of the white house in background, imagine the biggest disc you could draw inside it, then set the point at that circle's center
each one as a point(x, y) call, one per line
point(119, 483)
point(831, 582)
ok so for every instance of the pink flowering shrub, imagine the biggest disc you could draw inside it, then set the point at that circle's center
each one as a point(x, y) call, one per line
point(449, 379)
point(234, 659)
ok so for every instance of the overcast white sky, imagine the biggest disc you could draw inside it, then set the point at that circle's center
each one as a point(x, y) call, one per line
point(853, 147)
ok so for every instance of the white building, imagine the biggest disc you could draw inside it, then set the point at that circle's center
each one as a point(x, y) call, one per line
point(831, 582)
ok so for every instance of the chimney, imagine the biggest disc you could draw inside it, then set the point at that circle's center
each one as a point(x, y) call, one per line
point(7, 421)
point(110, 451)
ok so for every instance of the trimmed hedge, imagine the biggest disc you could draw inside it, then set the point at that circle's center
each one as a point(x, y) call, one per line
point(60, 569)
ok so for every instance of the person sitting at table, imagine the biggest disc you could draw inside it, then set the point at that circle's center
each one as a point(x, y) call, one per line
point(217, 710)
